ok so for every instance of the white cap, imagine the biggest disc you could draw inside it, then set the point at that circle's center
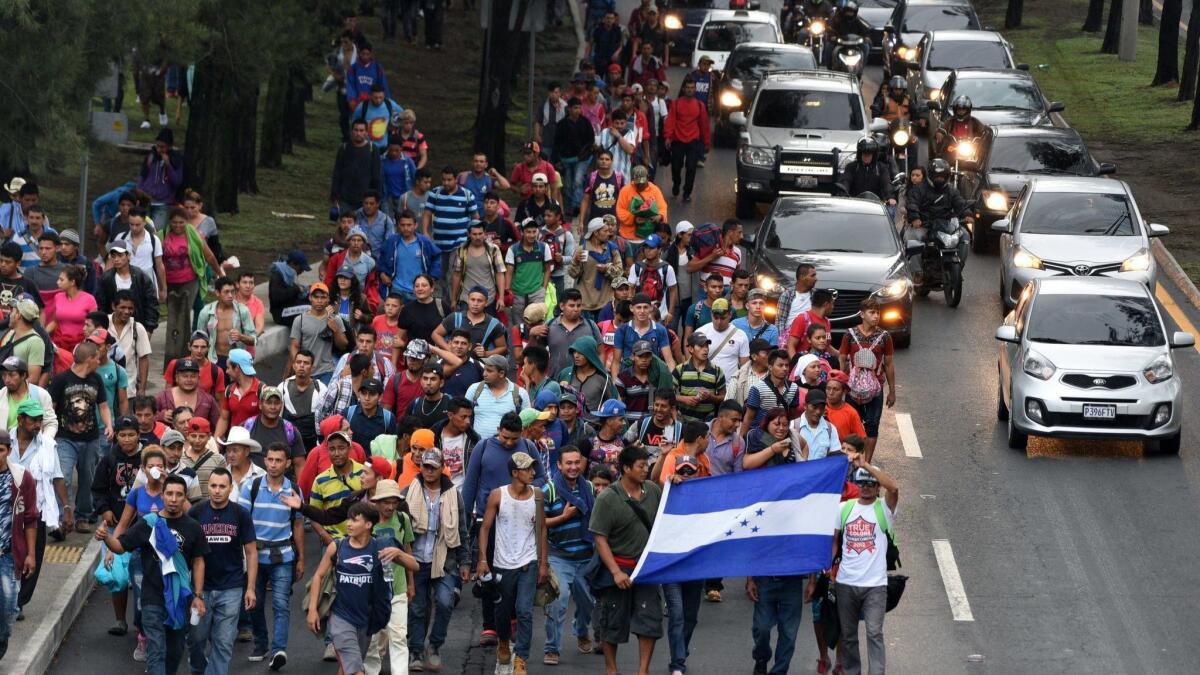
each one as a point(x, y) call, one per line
point(594, 225)
point(683, 226)
point(539, 178)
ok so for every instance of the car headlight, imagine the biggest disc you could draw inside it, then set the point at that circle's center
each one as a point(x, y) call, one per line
point(1138, 262)
point(1159, 370)
point(995, 201)
point(673, 22)
point(730, 99)
point(1026, 260)
point(1037, 365)
point(767, 283)
point(901, 137)
point(894, 289)
point(817, 27)
point(933, 93)
point(965, 150)
point(755, 155)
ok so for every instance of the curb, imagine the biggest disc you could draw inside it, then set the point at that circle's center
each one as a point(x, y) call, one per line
point(36, 656)
point(1175, 272)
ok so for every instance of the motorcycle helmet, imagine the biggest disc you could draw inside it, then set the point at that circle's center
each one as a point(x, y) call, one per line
point(939, 172)
point(881, 140)
point(898, 87)
point(850, 10)
point(962, 107)
point(868, 146)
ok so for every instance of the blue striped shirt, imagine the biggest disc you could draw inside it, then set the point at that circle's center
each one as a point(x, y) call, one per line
point(272, 518)
point(452, 213)
point(566, 539)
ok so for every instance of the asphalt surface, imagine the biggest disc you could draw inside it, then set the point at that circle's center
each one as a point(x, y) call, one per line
point(1073, 557)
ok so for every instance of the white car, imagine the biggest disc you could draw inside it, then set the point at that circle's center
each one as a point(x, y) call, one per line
point(1089, 358)
point(724, 29)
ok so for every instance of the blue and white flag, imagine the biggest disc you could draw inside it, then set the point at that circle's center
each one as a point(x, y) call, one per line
point(775, 521)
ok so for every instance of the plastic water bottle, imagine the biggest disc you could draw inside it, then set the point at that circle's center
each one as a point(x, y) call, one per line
point(195, 617)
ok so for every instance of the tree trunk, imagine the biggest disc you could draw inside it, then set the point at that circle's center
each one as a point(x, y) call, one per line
point(1095, 17)
point(1195, 123)
point(1146, 12)
point(270, 154)
point(221, 135)
point(1167, 71)
point(299, 93)
point(506, 47)
point(1191, 55)
point(1012, 18)
point(1112, 32)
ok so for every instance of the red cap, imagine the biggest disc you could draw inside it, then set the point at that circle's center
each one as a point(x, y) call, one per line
point(381, 467)
point(99, 336)
point(199, 425)
point(614, 67)
point(839, 376)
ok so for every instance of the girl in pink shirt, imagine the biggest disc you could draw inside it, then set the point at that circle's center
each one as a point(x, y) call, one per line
point(70, 309)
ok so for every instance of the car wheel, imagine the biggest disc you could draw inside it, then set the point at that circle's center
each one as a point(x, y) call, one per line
point(1016, 439)
point(1168, 445)
point(745, 207)
point(1001, 409)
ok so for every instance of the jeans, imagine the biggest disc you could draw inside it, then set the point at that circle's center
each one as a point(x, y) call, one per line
point(780, 605)
point(79, 456)
point(135, 585)
point(683, 612)
point(391, 11)
point(574, 174)
point(180, 298)
point(164, 645)
point(158, 213)
point(870, 603)
point(520, 302)
point(280, 576)
point(688, 154)
point(571, 585)
point(397, 640)
point(344, 113)
point(9, 590)
point(434, 18)
point(442, 590)
point(516, 599)
point(408, 19)
point(489, 598)
point(218, 626)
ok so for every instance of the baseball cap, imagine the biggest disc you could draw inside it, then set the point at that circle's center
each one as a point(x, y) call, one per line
point(344, 435)
point(31, 407)
point(534, 313)
point(497, 361)
point(698, 340)
point(387, 489)
point(720, 306)
point(686, 462)
point(99, 336)
point(69, 236)
point(614, 68)
point(640, 299)
point(653, 241)
point(199, 425)
point(520, 460)
point(760, 345)
point(318, 286)
point(432, 458)
point(416, 349)
point(839, 376)
point(187, 365)
point(242, 359)
point(568, 398)
point(345, 272)
point(756, 294)
point(621, 283)
point(122, 423)
point(814, 397)
point(119, 246)
point(270, 392)
point(372, 386)
point(531, 415)
point(297, 257)
point(641, 175)
point(381, 466)
point(28, 309)
point(171, 437)
point(611, 408)
point(684, 226)
point(642, 347)
point(862, 476)
point(14, 364)
point(530, 222)
point(422, 438)
point(706, 57)
point(539, 178)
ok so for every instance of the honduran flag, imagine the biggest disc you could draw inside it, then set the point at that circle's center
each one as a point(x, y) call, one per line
point(767, 522)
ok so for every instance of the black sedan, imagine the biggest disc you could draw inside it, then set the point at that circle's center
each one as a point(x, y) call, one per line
point(855, 248)
point(1013, 156)
point(1000, 98)
point(736, 86)
point(913, 18)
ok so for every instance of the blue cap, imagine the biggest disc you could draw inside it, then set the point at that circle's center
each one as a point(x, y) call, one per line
point(242, 359)
point(653, 241)
point(611, 408)
point(297, 257)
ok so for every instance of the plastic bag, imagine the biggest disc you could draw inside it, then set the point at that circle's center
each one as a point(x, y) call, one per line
point(115, 579)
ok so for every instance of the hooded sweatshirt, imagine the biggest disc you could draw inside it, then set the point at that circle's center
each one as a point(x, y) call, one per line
point(114, 478)
point(597, 388)
point(488, 470)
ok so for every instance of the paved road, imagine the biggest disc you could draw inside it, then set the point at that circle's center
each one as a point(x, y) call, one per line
point(1073, 557)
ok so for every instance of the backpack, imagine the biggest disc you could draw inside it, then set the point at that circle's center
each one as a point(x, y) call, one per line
point(487, 332)
point(387, 416)
point(490, 250)
point(705, 238)
point(651, 281)
point(516, 395)
point(864, 381)
point(893, 551)
point(288, 428)
point(391, 126)
point(7, 349)
point(617, 177)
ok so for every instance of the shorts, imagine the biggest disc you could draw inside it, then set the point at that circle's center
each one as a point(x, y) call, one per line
point(349, 642)
point(619, 612)
point(870, 412)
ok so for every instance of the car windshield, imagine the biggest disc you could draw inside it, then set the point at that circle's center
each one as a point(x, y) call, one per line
point(793, 109)
point(1037, 155)
point(999, 93)
point(877, 3)
point(951, 54)
point(814, 228)
point(1078, 214)
point(697, 4)
point(723, 36)
point(751, 64)
point(925, 19)
point(1122, 321)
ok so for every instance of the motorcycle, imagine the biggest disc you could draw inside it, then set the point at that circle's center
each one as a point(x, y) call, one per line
point(903, 142)
point(848, 56)
point(943, 256)
point(816, 28)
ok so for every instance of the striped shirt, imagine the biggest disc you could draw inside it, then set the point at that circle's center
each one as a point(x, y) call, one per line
point(565, 539)
point(764, 397)
point(452, 213)
point(330, 489)
point(690, 382)
point(724, 265)
point(622, 161)
point(204, 469)
point(272, 518)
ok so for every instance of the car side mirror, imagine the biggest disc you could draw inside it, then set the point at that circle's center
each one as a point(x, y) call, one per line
point(913, 247)
point(878, 124)
point(1106, 168)
point(912, 66)
point(1057, 106)
point(1022, 66)
point(737, 118)
point(1007, 334)
point(1182, 339)
point(933, 105)
point(1002, 226)
point(1158, 230)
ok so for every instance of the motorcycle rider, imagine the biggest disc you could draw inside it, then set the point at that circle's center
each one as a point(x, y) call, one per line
point(892, 102)
point(960, 125)
point(844, 22)
point(804, 11)
point(869, 172)
point(934, 201)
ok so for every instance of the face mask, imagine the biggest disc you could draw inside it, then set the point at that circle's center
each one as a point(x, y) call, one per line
point(155, 473)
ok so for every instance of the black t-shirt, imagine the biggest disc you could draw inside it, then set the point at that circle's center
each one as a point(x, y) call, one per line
point(531, 209)
point(603, 192)
point(227, 531)
point(192, 544)
point(75, 400)
point(462, 378)
point(22, 286)
point(266, 436)
point(430, 412)
point(419, 319)
point(483, 333)
point(501, 232)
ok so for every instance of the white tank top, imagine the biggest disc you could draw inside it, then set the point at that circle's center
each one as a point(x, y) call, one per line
point(516, 544)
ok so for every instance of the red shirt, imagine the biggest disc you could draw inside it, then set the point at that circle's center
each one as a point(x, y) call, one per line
point(400, 391)
point(800, 326)
point(687, 121)
point(212, 378)
point(243, 406)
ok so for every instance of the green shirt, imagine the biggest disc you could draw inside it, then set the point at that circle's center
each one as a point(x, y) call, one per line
point(398, 527)
point(612, 517)
point(529, 267)
point(690, 382)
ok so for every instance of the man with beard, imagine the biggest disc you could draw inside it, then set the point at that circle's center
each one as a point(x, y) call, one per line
point(269, 428)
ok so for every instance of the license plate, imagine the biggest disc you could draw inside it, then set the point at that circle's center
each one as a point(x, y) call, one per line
point(806, 181)
point(1094, 411)
point(794, 170)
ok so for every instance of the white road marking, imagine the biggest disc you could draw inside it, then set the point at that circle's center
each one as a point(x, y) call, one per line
point(955, 593)
point(908, 435)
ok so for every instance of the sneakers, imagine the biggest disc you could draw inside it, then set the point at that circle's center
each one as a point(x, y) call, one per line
point(488, 637)
point(414, 663)
point(822, 666)
point(162, 119)
point(674, 190)
point(119, 628)
point(330, 655)
point(503, 652)
point(550, 659)
point(713, 596)
point(519, 667)
point(433, 661)
point(676, 672)
point(259, 654)
point(760, 668)
point(139, 652)
point(278, 660)
point(245, 635)
point(145, 124)
point(585, 645)
point(687, 198)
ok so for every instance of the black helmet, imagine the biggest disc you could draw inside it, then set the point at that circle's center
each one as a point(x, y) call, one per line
point(867, 146)
point(850, 9)
point(962, 103)
point(939, 168)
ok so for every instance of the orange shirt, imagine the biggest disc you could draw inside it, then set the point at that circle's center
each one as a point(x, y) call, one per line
point(409, 471)
point(668, 461)
point(845, 419)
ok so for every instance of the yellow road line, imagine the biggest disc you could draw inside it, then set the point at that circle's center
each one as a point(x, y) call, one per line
point(1176, 313)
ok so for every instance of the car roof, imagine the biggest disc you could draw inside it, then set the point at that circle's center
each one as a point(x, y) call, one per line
point(770, 47)
point(992, 74)
point(967, 36)
point(935, 3)
point(740, 15)
point(1081, 184)
point(819, 80)
point(1063, 133)
point(841, 204)
point(1090, 286)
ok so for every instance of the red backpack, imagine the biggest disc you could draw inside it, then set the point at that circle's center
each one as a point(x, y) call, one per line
point(651, 281)
point(705, 238)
